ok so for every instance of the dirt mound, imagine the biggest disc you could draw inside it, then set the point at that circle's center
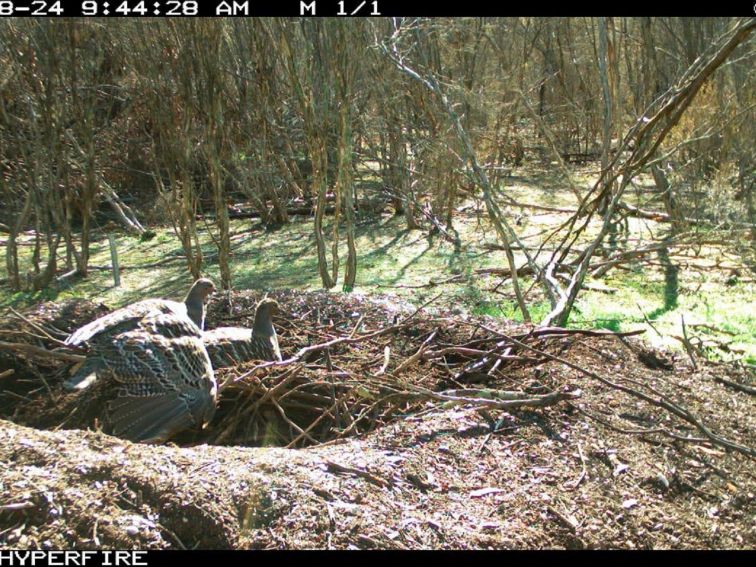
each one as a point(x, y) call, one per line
point(413, 441)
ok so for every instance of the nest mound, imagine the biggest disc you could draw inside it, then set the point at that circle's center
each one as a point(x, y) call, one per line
point(353, 363)
point(423, 429)
point(33, 379)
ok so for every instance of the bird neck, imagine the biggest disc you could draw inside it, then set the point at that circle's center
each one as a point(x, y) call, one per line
point(263, 326)
point(195, 307)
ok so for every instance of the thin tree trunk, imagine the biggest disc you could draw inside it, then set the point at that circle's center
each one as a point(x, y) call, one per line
point(319, 181)
point(221, 218)
point(501, 226)
point(11, 251)
point(345, 188)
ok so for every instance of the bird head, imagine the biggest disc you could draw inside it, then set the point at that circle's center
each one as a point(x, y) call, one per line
point(265, 310)
point(202, 289)
point(268, 306)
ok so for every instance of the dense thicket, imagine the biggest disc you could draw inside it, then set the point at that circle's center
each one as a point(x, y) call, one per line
point(166, 120)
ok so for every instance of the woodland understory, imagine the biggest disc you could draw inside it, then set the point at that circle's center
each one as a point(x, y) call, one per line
point(514, 257)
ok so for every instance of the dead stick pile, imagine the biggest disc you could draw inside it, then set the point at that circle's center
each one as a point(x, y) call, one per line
point(352, 364)
point(352, 367)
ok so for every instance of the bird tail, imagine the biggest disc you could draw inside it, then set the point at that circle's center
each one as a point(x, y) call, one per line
point(156, 419)
point(148, 420)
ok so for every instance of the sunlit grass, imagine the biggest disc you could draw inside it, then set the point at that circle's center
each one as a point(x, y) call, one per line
point(416, 267)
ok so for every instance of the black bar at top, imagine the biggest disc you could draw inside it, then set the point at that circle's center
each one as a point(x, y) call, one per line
point(368, 8)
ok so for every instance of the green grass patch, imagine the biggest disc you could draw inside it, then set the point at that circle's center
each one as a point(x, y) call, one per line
point(412, 265)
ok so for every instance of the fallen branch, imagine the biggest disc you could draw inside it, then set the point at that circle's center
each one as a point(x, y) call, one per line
point(40, 352)
point(569, 523)
point(36, 327)
point(686, 343)
point(657, 216)
point(291, 424)
point(559, 331)
point(471, 352)
point(556, 331)
point(316, 348)
point(415, 357)
point(320, 418)
point(488, 398)
point(712, 328)
point(662, 402)
point(386, 359)
point(26, 505)
point(742, 387)
point(378, 481)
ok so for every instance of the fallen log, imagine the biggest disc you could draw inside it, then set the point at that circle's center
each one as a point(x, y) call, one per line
point(291, 211)
point(664, 217)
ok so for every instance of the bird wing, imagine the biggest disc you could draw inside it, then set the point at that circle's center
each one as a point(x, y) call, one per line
point(164, 384)
point(170, 325)
point(149, 363)
point(276, 349)
point(124, 319)
point(228, 346)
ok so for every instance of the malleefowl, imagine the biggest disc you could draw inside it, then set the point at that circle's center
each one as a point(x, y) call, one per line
point(127, 319)
point(228, 346)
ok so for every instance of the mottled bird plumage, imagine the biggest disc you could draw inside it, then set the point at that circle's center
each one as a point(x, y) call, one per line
point(228, 346)
point(128, 318)
point(161, 379)
point(152, 366)
point(193, 306)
